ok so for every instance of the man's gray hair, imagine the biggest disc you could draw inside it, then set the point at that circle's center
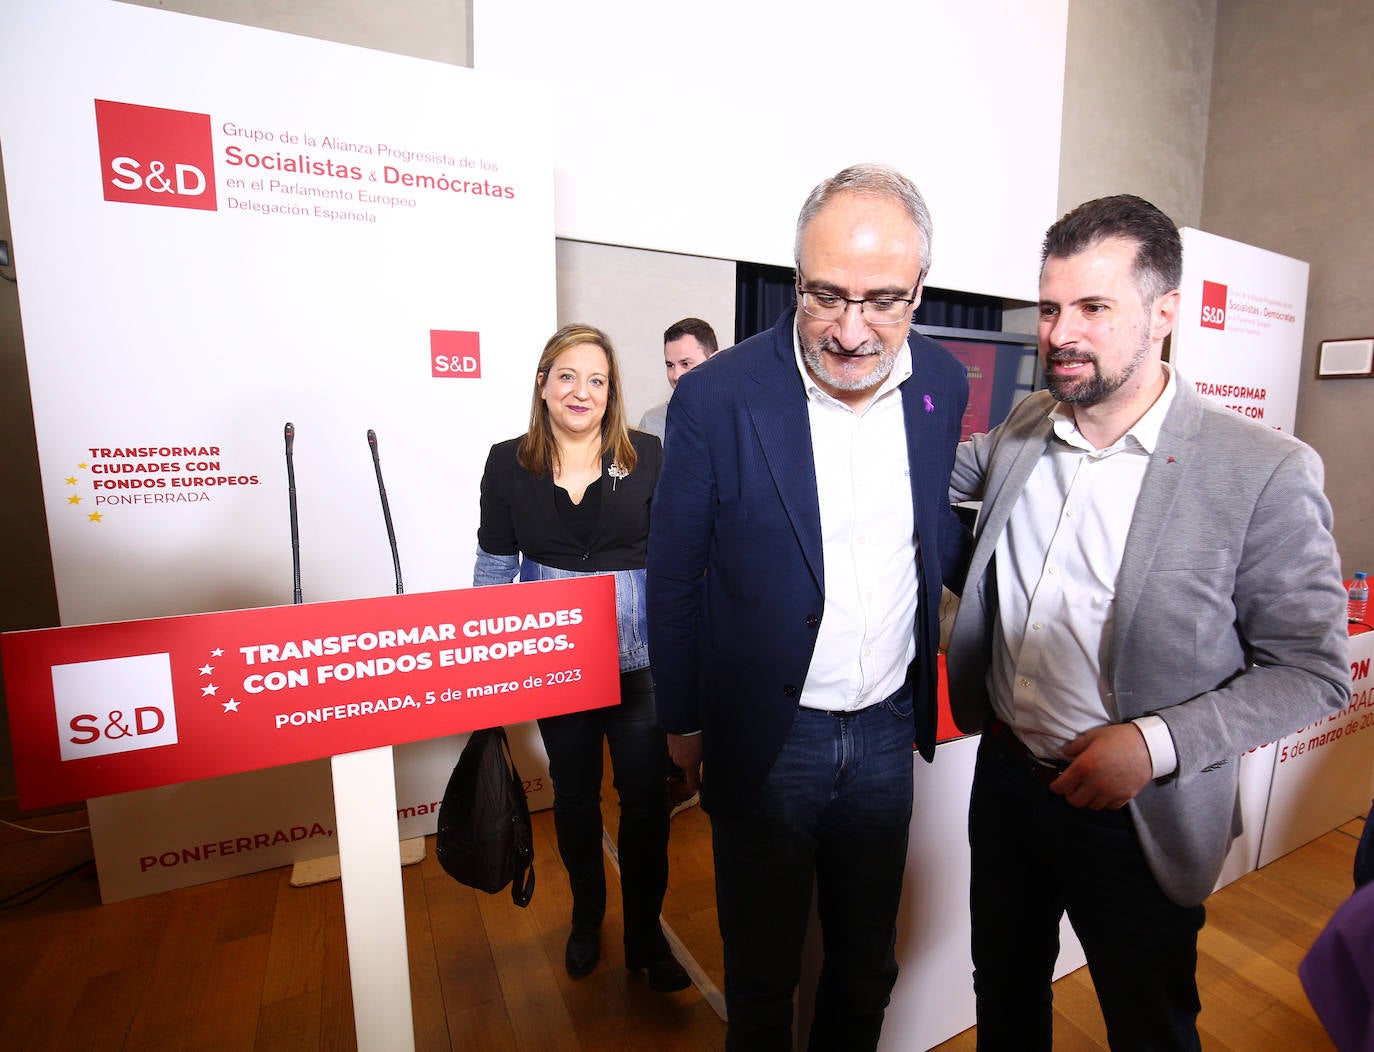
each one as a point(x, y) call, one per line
point(874, 180)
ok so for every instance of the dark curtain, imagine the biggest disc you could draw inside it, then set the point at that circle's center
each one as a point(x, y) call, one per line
point(763, 292)
point(960, 310)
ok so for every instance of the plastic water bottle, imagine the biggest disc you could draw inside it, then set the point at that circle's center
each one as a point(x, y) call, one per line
point(1359, 597)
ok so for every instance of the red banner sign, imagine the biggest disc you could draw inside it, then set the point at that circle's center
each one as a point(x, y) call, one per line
point(101, 709)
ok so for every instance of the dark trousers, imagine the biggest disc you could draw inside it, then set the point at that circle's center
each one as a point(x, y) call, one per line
point(639, 751)
point(835, 807)
point(1035, 857)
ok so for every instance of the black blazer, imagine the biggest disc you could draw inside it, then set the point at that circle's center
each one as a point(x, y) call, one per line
point(519, 515)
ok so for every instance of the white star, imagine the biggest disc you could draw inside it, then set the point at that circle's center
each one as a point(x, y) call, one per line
point(208, 691)
point(206, 670)
point(217, 652)
point(230, 706)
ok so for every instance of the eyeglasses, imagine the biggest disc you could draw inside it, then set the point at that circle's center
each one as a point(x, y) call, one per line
point(876, 310)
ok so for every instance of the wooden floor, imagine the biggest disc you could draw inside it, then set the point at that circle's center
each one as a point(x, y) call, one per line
point(252, 963)
point(1258, 929)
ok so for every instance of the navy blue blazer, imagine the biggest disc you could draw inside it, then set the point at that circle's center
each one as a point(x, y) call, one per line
point(736, 583)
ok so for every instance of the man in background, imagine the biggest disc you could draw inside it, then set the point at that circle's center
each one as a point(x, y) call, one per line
point(686, 344)
point(800, 535)
point(1154, 591)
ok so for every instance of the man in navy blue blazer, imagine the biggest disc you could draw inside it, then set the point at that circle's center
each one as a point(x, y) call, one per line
point(800, 535)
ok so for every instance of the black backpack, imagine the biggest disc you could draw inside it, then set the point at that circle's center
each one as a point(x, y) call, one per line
point(484, 839)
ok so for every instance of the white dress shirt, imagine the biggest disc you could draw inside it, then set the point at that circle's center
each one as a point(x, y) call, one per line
point(1057, 564)
point(866, 637)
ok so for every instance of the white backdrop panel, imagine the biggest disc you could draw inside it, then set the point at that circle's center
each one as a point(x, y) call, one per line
point(167, 327)
point(1242, 312)
point(151, 328)
point(700, 128)
point(1325, 772)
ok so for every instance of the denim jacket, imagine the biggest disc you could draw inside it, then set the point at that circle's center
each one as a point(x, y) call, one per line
point(631, 624)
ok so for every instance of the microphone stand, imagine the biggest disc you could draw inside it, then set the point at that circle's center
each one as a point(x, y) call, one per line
point(295, 527)
point(386, 509)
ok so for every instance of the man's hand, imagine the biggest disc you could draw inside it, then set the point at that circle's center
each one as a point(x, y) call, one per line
point(686, 749)
point(1109, 765)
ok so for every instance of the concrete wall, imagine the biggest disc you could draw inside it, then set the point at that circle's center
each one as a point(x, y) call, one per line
point(1289, 153)
point(633, 295)
point(1137, 79)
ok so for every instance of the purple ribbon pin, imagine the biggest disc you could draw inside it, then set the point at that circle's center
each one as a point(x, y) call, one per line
point(930, 405)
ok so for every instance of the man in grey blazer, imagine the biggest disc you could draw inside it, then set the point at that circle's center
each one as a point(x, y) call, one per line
point(1154, 591)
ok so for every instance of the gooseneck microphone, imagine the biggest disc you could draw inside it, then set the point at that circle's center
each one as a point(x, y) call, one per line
point(295, 527)
point(386, 509)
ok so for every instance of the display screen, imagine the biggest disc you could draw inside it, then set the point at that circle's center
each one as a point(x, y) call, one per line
point(1002, 369)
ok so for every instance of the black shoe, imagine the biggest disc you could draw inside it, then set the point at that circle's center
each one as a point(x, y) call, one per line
point(665, 974)
point(584, 950)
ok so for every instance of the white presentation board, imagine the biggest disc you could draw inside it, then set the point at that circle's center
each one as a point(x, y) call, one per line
point(1240, 326)
point(1325, 771)
point(701, 129)
point(222, 229)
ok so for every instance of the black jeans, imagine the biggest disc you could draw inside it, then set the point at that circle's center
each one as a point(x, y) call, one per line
point(1036, 856)
point(639, 751)
point(836, 808)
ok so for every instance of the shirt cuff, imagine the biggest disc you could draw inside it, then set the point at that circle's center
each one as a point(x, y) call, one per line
point(1160, 743)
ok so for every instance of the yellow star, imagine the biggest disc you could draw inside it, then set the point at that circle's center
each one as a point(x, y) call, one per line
point(95, 516)
point(83, 465)
point(73, 499)
point(71, 480)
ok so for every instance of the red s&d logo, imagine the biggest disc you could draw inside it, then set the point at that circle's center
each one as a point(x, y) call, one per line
point(114, 705)
point(454, 354)
point(1213, 305)
point(152, 156)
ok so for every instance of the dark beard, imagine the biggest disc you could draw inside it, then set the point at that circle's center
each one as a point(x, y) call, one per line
point(1082, 390)
point(1096, 388)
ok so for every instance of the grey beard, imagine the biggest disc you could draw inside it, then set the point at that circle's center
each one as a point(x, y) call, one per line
point(813, 356)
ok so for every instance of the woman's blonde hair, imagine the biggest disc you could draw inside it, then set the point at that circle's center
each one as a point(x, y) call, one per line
point(538, 452)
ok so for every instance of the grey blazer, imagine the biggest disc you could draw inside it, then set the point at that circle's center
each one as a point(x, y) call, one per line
point(1230, 611)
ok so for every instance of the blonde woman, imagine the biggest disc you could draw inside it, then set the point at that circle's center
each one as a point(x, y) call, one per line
point(571, 496)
